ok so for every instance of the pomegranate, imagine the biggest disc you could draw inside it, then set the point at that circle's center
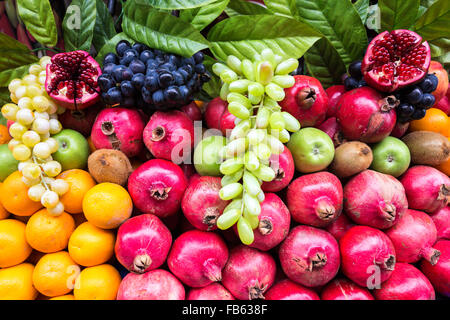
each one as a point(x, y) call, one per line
point(315, 199)
point(170, 136)
point(427, 188)
point(80, 120)
point(72, 80)
point(368, 256)
point(192, 111)
point(442, 75)
point(441, 219)
point(213, 112)
point(157, 187)
point(153, 285)
point(289, 290)
point(331, 127)
point(400, 129)
point(344, 289)
point(306, 100)
point(413, 237)
point(339, 227)
point(213, 291)
point(439, 274)
point(248, 273)
point(366, 115)
point(284, 167)
point(227, 122)
point(334, 93)
point(444, 105)
point(143, 243)
point(274, 222)
point(201, 203)
point(119, 129)
point(395, 60)
point(374, 199)
point(197, 258)
point(309, 256)
point(406, 283)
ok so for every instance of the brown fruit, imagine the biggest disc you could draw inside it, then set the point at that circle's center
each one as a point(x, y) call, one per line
point(351, 158)
point(106, 165)
point(427, 147)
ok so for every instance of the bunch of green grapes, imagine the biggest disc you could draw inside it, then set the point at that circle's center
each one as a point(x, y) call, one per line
point(252, 89)
point(35, 118)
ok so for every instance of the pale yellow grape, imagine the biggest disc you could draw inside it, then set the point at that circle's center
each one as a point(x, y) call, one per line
point(41, 115)
point(35, 192)
point(50, 199)
point(20, 92)
point(9, 111)
point(25, 117)
point(22, 164)
point(30, 182)
point(25, 103)
point(45, 136)
point(33, 90)
point(53, 144)
point(52, 168)
point(57, 210)
point(29, 79)
point(42, 150)
point(55, 126)
point(60, 186)
point(13, 143)
point(21, 152)
point(16, 130)
point(44, 61)
point(48, 181)
point(31, 138)
point(31, 171)
point(41, 126)
point(40, 103)
point(13, 97)
point(14, 84)
point(35, 69)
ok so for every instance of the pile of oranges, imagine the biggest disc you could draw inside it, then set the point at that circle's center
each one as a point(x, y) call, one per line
point(435, 120)
point(63, 257)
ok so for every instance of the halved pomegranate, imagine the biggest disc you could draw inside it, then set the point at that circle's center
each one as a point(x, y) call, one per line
point(395, 60)
point(72, 80)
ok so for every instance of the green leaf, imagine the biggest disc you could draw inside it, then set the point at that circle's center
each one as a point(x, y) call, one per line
point(339, 22)
point(362, 7)
point(210, 89)
point(285, 8)
point(174, 4)
point(14, 53)
point(162, 31)
point(286, 37)
point(78, 25)
point(324, 63)
point(242, 7)
point(110, 46)
point(427, 3)
point(202, 17)
point(37, 15)
point(434, 23)
point(104, 26)
point(398, 14)
point(7, 75)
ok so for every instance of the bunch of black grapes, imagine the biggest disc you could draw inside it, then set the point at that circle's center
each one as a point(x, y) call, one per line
point(150, 79)
point(355, 78)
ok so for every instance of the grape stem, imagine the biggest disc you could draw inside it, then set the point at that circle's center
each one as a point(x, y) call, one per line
point(41, 173)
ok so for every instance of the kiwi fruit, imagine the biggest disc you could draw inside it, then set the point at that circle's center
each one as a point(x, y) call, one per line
point(107, 165)
point(427, 147)
point(351, 158)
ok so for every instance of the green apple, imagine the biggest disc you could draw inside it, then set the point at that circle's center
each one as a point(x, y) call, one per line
point(7, 162)
point(391, 156)
point(312, 150)
point(73, 150)
point(207, 155)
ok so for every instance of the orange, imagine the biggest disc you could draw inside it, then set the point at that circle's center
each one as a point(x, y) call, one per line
point(48, 233)
point(64, 297)
point(97, 283)
point(90, 246)
point(14, 196)
point(4, 134)
point(53, 275)
point(80, 182)
point(16, 283)
point(14, 248)
point(435, 120)
point(107, 205)
point(3, 213)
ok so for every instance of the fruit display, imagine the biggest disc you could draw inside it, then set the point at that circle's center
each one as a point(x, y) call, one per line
point(224, 150)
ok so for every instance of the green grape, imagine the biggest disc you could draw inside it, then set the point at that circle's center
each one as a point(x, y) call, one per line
point(240, 130)
point(252, 219)
point(251, 184)
point(275, 145)
point(237, 97)
point(276, 121)
point(261, 196)
point(251, 203)
point(228, 218)
point(262, 118)
point(229, 76)
point(232, 165)
point(256, 89)
point(248, 70)
point(268, 55)
point(239, 86)
point(284, 136)
point(219, 68)
point(224, 91)
point(230, 191)
point(245, 231)
point(251, 161)
point(262, 151)
point(235, 204)
point(254, 99)
point(264, 173)
point(232, 178)
point(256, 136)
point(275, 92)
point(284, 81)
point(290, 122)
point(286, 66)
point(236, 147)
point(264, 73)
point(238, 110)
point(235, 64)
